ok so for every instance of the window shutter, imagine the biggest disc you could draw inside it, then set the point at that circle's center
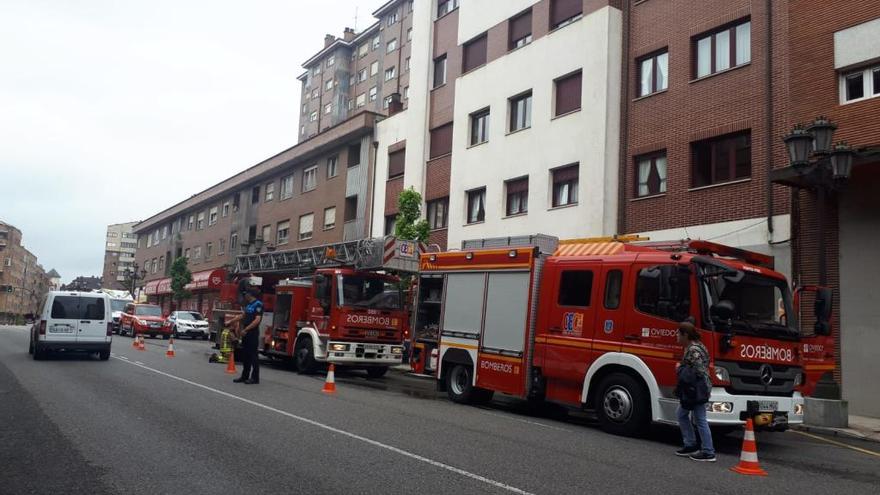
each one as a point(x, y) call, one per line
point(521, 26)
point(306, 223)
point(562, 10)
point(475, 53)
point(441, 140)
point(565, 174)
point(568, 94)
point(518, 185)
point(396, 163)
point(330, 216)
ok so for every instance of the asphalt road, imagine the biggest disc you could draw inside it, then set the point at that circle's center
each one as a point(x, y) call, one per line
point(143, 423)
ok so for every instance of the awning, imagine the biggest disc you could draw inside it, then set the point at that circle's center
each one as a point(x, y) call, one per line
point(208, 279)
point(156, 287)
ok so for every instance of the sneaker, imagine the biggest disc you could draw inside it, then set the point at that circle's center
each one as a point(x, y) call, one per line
point(687, 451)
point(703, 457)
point(239, 380)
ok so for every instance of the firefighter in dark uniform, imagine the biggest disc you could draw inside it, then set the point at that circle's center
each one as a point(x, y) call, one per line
point(250, 337)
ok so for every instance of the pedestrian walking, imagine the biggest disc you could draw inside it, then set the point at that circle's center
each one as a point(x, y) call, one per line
point(692, 391)
point(250, 337)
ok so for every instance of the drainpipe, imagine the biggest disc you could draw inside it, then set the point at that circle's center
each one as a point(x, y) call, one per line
point(623, 159)
point(768, 111)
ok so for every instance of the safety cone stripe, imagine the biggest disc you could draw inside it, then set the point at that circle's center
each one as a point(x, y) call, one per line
point(750, 435)
point(749, 457)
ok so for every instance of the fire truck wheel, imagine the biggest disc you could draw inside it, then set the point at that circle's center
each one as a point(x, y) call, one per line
point(377, 372)
point(622, 405)
point(304, 356)
point(459, 385)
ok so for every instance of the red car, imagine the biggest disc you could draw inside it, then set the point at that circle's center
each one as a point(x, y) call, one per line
point(144, 319)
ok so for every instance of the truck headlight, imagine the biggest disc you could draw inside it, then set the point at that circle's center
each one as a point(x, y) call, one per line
point(721, 374)
point(338, 347)
point(721, 407)
point(798, 409)
point(397, 350)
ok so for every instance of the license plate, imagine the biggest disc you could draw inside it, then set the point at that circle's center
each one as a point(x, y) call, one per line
point(768, 405)
point(61, 329)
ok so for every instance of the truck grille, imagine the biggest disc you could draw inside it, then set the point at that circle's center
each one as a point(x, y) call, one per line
point(371, 333)
point(751, 378)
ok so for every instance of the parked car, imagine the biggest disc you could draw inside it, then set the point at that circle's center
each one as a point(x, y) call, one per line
point(188, 323)
point(117, 306)
point(72, 321)
point(144, 319)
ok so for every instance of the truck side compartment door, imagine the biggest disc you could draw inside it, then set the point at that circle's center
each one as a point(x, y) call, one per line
point(610, 327)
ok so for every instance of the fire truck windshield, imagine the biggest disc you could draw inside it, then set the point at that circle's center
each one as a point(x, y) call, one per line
point(761, 305)
point(368, 292)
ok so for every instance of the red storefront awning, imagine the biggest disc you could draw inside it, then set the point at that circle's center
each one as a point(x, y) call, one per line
point(208, 279)
point(157, 287)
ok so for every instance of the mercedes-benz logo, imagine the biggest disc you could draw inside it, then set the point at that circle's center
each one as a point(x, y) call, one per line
point(766, 374)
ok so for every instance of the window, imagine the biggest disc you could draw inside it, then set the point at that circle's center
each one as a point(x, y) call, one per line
point(287, 187)
point(386, 102)
point(255, 195)
point(354, 155)
point(653, 73)
point(352, 80)
point(361, 100)
point(236, 201)
point(267, 233)
point(474, 53)
point(441, 141)
point(440, 71)
point(409, 34)
point(306, 225)
point(396, 163)
point(233, 243)
point(479, 127)
point(613, 288)
point(374, 68)
point(391, 46)
point(390, 224)
point(328, 85)
point(521, 112)
point(328, 108)
point(476, 205)
point(651, 174)
point(517, 196)
point(316, 70)
point(391, 19)
point(310, 178)
point(390, 73)
point(664, 291)
point(189, 224)
point(407, 64)
point(722, 49)
point(438, 213)
point(446, 6)
point(331, 60)
point(302, 130)
point(283, 232)
point(575, 288)
point(564, 12)
point(200, 221)
point(332, 165)
point(721, 159)
point(221, 247)
point(329, 218)
point(363, 50)
point(212, 216)
point(406, 92)
point(270, 191)
point(565, 185)
point(860, 84)
point(351, 204)
point(209, 250)
point(197, 254)
point(313, 116)
point(165, 232)
point(186, 253)
point(376, 42)
point(362, 75)
point(315, 93)
point(568, 94)
point(520, 30)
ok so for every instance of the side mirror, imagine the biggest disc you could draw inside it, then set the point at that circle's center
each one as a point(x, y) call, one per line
point(822, 310)
point(723, 310)
point(735, 277)
point(650, 273)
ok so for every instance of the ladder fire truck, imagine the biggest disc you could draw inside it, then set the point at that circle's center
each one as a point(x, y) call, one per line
point(593, 323)
point(334, 303)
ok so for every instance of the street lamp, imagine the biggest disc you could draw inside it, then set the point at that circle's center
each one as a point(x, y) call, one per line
point(798, 142)
point(841, 161)
point(133, 275)
point(811, 155)
point(822, 130)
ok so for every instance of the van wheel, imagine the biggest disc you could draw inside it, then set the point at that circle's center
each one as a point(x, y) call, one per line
point(304, 356)
point(460, 388)
point(39, 353)
point(377, 372)
point(104, 355)
point(31, 345)
point(622, 404)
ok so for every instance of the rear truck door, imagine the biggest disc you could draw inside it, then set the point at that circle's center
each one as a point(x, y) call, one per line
point(564, 344)
point(813, 307)
point(64, 317)
point(93, 319)
point(462, 318)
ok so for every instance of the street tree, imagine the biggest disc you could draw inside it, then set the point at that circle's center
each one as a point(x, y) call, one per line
point(180, 276)
point(409, 225)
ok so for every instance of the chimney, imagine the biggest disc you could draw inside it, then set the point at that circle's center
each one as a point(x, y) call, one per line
point(395, 105)
point(328, 40)
point(348, 34)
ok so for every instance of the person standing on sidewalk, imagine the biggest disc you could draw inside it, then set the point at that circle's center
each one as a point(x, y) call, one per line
point(250, 337)
point(692, 391)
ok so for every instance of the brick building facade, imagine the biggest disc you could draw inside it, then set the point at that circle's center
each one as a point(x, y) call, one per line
point(22, 278)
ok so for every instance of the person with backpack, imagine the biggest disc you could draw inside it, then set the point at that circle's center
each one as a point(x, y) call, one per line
point(693, 390)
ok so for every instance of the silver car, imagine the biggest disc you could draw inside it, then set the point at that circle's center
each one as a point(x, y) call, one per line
point(188, 323)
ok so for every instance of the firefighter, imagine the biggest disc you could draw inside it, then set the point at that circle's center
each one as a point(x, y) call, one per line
point(249, 320)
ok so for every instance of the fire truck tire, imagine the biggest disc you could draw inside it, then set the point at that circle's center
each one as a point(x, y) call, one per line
point(377, 371)
point(304, 356)
point(622, 405)
point(460, 388)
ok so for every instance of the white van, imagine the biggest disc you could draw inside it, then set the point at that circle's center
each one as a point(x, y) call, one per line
point(73, 321)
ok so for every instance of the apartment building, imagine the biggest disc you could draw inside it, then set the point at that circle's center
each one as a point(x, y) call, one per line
point(120, 246)
point(22, 278)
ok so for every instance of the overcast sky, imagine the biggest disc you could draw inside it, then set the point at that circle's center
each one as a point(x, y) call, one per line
point(112, 110)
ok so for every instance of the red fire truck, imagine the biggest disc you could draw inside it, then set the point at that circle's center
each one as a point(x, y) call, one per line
point(593, 325)
point(334, 303)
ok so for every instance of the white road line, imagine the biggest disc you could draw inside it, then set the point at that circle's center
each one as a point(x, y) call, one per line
point(348, 434)
point(490, 413)
point(121, 357)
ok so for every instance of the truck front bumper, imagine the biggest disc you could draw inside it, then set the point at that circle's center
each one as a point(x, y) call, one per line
point(724, 408)
point(363, 353)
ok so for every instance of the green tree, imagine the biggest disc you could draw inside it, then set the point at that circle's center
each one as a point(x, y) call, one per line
point(410, 225)
point(180, 276)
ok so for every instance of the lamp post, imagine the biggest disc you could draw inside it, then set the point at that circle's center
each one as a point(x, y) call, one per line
point(133, 275)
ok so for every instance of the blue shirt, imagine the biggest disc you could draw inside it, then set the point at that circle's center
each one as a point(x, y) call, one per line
point(251, 311)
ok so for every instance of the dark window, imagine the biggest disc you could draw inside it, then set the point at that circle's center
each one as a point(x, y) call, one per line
point(653, 73)
point(855, 86)
point(446, 6)
point(255, 195)
point(396, 164)
point(575, 288)
point(521, 112)
point(651, 174)
point(351, 205)
point(722, 159)
point(517, 196)
point(441, 141)
point(520, 30)
point(437, 213)
point(664, 291)
point(613, 288)
point(563, 12)
point(252, 234)
point(474, 53)
point(568, 94)
point(236, 201)
point(876, 75)
point(479, 127)
point(390, 222)
point(77, 308)
point(565, 185)
point(719, 50)
point(354, 155)
point(440, 71)
point(476, 205)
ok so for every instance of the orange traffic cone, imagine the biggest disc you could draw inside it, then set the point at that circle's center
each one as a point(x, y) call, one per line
point(330, 382)
point(170, 351)
point(135, 340)
point(748, 460)
point(142, 346)
point(230, 366)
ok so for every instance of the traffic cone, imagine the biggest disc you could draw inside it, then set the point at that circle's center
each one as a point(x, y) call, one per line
point(330, 382)
point(230, 365)
point(135, 340)
point(142, 346)
point(170, 351)
point(748, 460)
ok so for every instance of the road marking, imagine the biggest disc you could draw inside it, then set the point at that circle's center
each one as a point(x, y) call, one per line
point(121, 357)
point(338, 431)
point(490, 413)
point(839, 444)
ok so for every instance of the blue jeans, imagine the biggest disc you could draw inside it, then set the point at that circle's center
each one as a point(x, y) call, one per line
point(687, 429)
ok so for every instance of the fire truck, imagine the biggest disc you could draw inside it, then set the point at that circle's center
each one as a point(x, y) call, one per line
point(593, 324)
point(334, 303)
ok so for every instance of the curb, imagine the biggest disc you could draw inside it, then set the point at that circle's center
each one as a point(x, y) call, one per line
point(839, 432)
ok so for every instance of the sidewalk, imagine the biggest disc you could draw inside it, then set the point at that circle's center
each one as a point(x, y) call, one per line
point(860, 428)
